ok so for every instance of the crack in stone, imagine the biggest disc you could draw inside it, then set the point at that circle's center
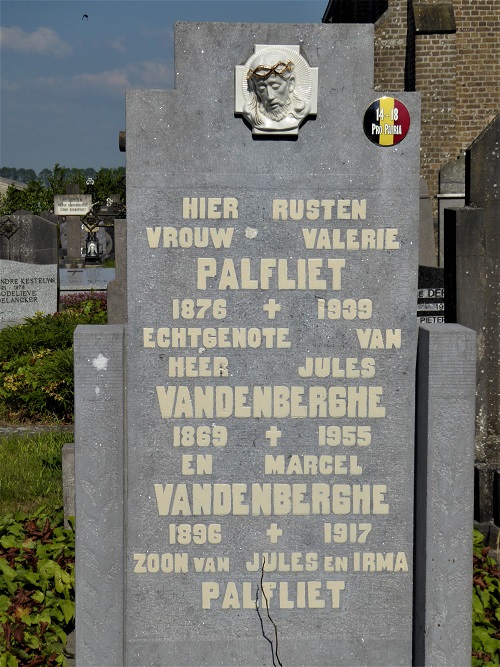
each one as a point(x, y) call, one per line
point(274, 645)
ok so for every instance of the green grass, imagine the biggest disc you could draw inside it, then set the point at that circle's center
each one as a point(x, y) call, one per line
point(30, 471)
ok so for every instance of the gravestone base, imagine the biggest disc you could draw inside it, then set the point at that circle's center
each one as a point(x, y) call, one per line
point(444, 498)
point(99, 471)
point(444, 494)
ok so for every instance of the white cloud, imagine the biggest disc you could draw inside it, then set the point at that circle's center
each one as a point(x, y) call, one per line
point(118, 44)
point(111, 81)
point(148, 74)
point(43, 41)
point(151, 33)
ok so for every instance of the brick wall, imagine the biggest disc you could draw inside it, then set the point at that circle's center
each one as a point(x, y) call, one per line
point(478, 66)
point(390, 47)
point(435, 76)
point(458, 76)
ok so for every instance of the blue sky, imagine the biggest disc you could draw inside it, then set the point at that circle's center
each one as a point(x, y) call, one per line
point(63, 77)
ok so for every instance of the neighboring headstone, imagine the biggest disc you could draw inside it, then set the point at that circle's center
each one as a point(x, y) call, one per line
point(75, 237)
point(25, 237)
point(72, 204)
point(444, 495)
point(104, 237)
point(26, 289)
point(451, 195)
point(431, 298)
point(472, 268)
point(89, 279)
point(426, 238)
point(49, 215)
point(117, 288)
point(270, 356)
point(452, 177)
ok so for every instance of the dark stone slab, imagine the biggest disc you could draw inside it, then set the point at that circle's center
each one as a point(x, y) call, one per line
point(431, 295)
point(430, 277)
point(482, 169)
point(431, 19)
point(75, 241)
point(25, 237)
point(472, 258)
point(117, 288)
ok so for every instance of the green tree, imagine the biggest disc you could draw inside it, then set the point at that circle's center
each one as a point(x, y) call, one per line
point(8, 172)
point(109, 182)
point(39, 195)
point(21, 175)
point(43, 176)
point(25, 175)
point(34, 198)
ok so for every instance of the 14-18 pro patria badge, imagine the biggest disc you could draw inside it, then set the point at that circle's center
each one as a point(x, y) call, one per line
point(386, 121)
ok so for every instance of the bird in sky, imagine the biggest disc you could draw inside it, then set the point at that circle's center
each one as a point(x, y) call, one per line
point(85, 16)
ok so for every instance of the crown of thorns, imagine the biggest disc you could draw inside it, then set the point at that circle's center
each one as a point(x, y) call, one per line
point(264, 71)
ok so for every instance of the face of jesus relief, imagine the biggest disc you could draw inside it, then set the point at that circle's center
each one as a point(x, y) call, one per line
point(275, 91)
point(274, 94)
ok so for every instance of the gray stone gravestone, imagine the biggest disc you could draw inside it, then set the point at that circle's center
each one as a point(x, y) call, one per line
point(26, 289)
point(25, 237)
point(74, 237)
point(88, 279)
point(270, 355)
point(117, 288)
point(427, 245)
point(279, 373)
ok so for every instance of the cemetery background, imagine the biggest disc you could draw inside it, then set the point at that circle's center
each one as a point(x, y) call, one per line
point(67, 237)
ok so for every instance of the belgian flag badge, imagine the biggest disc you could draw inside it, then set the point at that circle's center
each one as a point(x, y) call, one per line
point(386, 121)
